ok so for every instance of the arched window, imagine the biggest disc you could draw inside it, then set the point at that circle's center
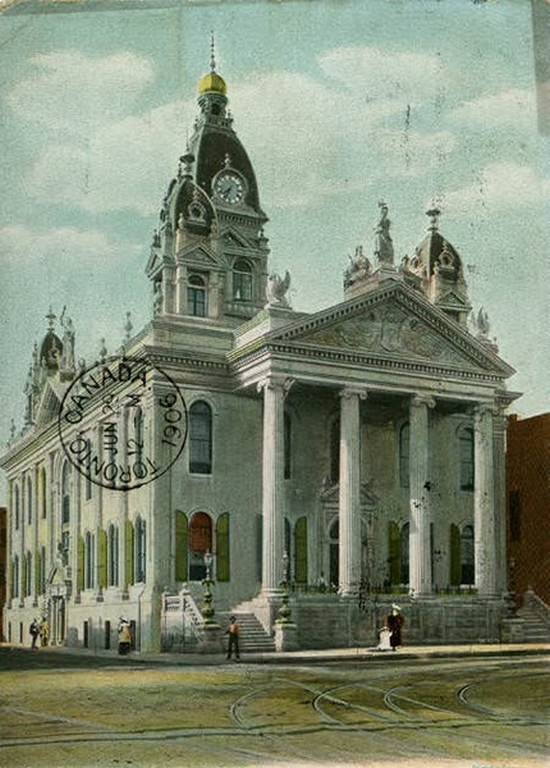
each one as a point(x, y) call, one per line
point(404, 445)
point(467, 555)
point(28, 575)
point(43, 493)
point(288, 446)
point(242, 281)
point(200, 542)
point(16, 494)
point(334, 449)
point(112, 556)
point(404, 555)
point(196, 296)
point(200, 438)
point(89, 560)
point(141, 550)
point(15, 577)
point(29, 500)
point(66, 494)
point(466, 452)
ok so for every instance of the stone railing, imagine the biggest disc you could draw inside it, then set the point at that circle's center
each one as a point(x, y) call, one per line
point(182, 622)
point(534, 602)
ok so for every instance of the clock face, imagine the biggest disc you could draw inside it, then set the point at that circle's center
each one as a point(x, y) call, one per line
point(229, 188)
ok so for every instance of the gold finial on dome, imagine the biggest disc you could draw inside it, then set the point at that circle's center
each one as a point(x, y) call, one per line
point(212, 82)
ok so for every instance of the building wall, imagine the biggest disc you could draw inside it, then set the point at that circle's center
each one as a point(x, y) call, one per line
point(528, 504)
point(3, 564)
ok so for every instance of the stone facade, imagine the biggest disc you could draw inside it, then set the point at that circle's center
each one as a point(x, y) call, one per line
point(363, 440)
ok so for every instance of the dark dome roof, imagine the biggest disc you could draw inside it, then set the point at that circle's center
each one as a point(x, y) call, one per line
point(434, 251)
point(193, 204)
point(51, 350)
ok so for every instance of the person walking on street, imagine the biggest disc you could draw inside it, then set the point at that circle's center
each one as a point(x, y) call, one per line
point(44, 632)
point(124, 637)
point(394, 622)
point(233, 631)
point(34, 630)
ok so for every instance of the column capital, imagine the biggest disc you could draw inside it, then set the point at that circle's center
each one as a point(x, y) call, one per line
point(278, 383)
point(480, 410)
point(352, 391)
point(418, 400)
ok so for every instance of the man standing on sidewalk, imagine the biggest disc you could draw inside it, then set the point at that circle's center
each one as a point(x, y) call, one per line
point(233, 631)
point(34, 630)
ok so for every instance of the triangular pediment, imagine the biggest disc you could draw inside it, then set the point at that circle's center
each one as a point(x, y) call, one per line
point(199, 256)
point(232, 238)
point(395, 323)
point(453, 299)
point(49, 404)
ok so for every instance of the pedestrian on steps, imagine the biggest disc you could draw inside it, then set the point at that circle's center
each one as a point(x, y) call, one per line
point(233, 630)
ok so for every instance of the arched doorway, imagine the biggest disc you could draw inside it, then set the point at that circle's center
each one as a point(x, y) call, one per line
point(334, 537)
point(200, 542)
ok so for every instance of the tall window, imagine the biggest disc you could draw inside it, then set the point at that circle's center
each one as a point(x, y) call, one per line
point(200, 438)
point(141, 544)
point(88, 482)
point(15, 577)
point(288, 446)
point(43, 493)
point(89, 558)
point(200, 542)
point(404, 446)
point(112, 558)
point(28, 575)
point(334, 449)
point(66, 493)
point(467, 555)
point(466, 451)
point(16, 494)
point(29, 500)
point(242, 281)
point(196, 296)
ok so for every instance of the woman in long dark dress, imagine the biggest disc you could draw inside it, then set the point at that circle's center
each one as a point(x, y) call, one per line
point(395, 621)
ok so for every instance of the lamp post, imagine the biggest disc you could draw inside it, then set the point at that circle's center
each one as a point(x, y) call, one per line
point(207, 606)
point(284, 610)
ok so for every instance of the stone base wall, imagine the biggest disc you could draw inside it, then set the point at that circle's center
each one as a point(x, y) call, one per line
point(328, 622)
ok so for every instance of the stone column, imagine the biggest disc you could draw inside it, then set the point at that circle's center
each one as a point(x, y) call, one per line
point(420, 577)
point(273, 484)
point(181, 288)
point(499, 454)
point(123, 501)
point(349, 511)
point(22, 537)
point(98, 515)
point(168, 290)
point(484, 502)
point(35, 523)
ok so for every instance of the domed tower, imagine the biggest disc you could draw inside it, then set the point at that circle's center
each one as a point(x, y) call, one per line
point(209, 254)
point(439, 268)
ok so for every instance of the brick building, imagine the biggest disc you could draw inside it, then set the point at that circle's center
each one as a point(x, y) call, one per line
point(528, 493)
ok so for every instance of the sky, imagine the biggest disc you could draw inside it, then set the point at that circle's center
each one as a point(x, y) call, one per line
point(339, 104)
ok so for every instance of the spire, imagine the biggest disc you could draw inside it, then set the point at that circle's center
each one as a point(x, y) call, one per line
point(50, 317)
point(212, 52)
point(434, 213)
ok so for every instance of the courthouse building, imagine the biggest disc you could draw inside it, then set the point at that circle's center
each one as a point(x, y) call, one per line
point(364, 440)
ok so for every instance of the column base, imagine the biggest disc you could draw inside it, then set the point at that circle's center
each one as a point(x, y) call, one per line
point(286, 637)
point(212, 639)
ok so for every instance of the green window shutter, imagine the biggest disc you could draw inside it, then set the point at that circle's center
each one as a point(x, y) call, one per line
point(181, 546)
point(80, 564)
point(222, 547)
point(37, 572)
point(455, 572)
point(394, 552)
point(129, 553)
point(102, 558)
point(300, 551)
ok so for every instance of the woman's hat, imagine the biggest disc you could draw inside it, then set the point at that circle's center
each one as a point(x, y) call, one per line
point(395, 607)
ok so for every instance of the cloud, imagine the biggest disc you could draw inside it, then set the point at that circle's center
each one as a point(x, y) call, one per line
point(378, 75)
point(500, 187)
point(70, 94)
point(60, 246)
point(514, 107)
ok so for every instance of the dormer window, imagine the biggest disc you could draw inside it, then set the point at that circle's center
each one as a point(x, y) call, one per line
point(242, 281)
point(196, 296)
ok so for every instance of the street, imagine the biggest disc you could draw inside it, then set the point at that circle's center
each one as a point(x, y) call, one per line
point(68, 710)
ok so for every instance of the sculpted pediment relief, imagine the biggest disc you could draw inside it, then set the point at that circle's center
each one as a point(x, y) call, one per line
point(388, 329)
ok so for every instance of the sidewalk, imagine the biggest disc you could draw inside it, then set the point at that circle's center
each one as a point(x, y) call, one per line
point(324, 656)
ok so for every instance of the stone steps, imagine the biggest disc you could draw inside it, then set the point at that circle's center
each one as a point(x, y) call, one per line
point(253, 638)
point(535, 629)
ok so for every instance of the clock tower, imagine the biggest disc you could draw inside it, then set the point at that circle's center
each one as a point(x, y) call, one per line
point(209, 254)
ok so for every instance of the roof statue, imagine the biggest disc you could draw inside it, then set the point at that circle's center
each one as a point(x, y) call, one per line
point(276, 290)
point(67, 356)
point(359, 268)
point(383, 244)
point(482, 323)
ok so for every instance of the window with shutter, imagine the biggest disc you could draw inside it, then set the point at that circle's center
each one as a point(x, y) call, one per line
point(222, 548)
point(181, 546)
